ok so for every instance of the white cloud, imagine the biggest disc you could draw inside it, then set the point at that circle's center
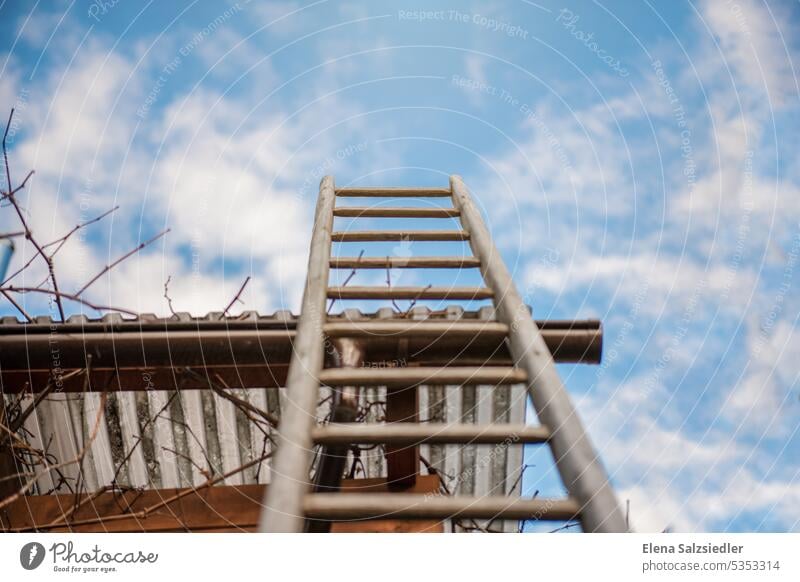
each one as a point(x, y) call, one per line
point(760, 403)
point(675, 480)
point(749, 37)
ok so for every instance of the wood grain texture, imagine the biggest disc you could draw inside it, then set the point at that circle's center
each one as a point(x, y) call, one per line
point(227, 509)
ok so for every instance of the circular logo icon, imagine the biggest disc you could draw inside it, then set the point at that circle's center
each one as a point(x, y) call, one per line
point(31, 555)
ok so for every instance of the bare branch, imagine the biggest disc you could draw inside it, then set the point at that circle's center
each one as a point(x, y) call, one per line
point(78, 459)
point(40, 396)
point(13, 234)
point(22, 185)
point(140, 438)
point(389, 283)
point(236, 298)
point(110, 266)
point(167, 297)
point(60, 241)
point(28, 234)
point(19, 308)
point(347, 280)
point(270, 418)
point(414, 301)
point(58, 295)
point(156, 506)
point(5, 154)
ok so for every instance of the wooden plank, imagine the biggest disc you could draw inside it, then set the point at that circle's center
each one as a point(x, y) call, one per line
point(405, 263)
point(221, 508)
point(402, 461)
point(151, 348)
point(283, 506)
point(578, 464)
point(399, 235)
point(401, 192)
point(414, 506)
point(408, 434)
point(477, 330)
point(463, 293)
point(394, 212)
point(412, 376)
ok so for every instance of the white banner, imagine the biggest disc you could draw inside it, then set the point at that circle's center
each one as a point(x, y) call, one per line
point(370, 557)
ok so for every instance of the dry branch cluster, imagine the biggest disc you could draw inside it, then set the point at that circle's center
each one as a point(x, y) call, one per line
point(23, 465)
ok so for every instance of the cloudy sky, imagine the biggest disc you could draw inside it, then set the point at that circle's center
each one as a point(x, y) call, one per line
point(636, 162)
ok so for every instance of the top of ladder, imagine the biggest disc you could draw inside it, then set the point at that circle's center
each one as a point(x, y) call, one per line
point(401, 192)
point(288, 502)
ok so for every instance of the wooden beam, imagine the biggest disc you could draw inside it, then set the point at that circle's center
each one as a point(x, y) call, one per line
point(283, 506)
point(578, 464)
point(402, 461)
point(461, 293)
point(412, 506)
point(405, 263)
point(400, 235)
point(476, 330)
point(413, 376)
point(221, 508)
point(394, 212)
point(406, 434)
point(402, 192)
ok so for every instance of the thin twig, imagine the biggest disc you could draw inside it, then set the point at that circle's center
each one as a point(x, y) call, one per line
point(110, 266)
point(78, 459)
point(207, 473)
point(12, 234)
point(28, 233)
point(565, 527)
point(60, 242)
point(140, 438)
point(348, 279)
point(167, 297)
point(236, 298)
point(70, 296)
point(40, 396)
point(389, 284)
point(414, 301)
point(19, 307)
point(269, 417)
point(142, 514)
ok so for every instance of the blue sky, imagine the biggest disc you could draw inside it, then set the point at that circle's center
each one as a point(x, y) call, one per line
point(636, 162)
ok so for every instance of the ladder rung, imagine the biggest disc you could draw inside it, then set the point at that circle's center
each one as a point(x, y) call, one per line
point(338, 506)
point(405, 263)
point(389, 212)
point(465, 293)
point(412, 376)
point(410, 434)
point(399, 235)
point(393, 192)
point(477, 330)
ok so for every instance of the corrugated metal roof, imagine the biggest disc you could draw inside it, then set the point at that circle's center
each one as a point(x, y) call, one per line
point(217, 320)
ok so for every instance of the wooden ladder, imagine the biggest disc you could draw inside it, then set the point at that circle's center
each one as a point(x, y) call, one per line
point(291, 504)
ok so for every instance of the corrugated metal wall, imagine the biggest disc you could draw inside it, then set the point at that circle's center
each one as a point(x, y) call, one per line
point(188, 435)
point(165, 439)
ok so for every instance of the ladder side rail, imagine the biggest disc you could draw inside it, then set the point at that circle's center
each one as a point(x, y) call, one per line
point(283, 502)
point(577, 462)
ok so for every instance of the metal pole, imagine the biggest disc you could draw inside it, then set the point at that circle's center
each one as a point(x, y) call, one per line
point(283, 503)
point(577, 462)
